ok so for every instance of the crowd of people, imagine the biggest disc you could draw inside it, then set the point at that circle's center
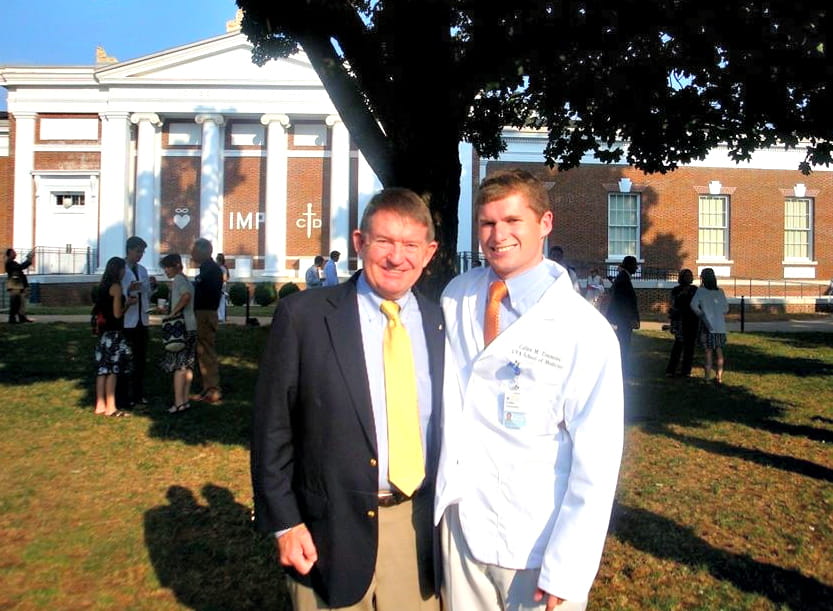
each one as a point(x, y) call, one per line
point(122, 305)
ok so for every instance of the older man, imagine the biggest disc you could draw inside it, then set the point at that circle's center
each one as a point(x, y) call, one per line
point(208, 290)
point(345, 444)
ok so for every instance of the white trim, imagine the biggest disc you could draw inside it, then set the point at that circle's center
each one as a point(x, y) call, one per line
point(67, 148)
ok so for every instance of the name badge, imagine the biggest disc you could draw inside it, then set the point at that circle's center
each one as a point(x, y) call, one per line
point(513, 412)
point(514, 415)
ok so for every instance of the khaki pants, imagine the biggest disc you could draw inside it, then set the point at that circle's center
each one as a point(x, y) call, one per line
point(206, 352)
point(396, 584)
point(469, 584)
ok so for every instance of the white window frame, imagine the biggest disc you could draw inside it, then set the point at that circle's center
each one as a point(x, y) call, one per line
point(712, 227)
point(635, 241)
point(808, 230)
point(62, 208)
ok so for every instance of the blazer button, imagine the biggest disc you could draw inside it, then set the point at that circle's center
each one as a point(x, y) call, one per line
point(373, 462)
point(371, 514)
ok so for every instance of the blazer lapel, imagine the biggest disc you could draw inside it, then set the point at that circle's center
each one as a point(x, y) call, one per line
point(345, 335)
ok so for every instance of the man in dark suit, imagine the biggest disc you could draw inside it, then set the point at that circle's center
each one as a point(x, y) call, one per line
point(322, 465)
point(623, 310)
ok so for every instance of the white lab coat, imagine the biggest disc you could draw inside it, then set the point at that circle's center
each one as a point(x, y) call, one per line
point(541, 495)
point(132, 315)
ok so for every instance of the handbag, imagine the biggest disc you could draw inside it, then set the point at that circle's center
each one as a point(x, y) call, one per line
point(173, 333)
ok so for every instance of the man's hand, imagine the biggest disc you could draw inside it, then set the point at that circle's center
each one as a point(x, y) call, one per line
point(552, 600)
point(296, 549)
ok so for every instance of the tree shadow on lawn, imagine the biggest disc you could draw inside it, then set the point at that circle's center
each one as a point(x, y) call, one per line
point(663, 538)
point(767, 459)
point(653, 401)
point(210, 556)
point(53, 352)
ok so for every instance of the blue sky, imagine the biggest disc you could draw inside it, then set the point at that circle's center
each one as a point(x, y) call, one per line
point(66, 32)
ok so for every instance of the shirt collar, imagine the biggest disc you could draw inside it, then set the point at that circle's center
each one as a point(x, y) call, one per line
point(527, 288)
point(374, 300)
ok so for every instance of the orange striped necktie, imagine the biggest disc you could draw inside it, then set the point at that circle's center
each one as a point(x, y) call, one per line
point(491, 322)
point(406, 459)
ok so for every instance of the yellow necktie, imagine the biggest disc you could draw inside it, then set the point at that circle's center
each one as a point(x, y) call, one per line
point(491, 322)
point(406, 463)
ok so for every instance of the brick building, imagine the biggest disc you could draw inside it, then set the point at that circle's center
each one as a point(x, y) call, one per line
point(198, 141)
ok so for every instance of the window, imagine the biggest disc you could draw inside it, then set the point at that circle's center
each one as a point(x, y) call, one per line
point(798, 228)
point(69, 200)
point(622, 225)
point(713, 238)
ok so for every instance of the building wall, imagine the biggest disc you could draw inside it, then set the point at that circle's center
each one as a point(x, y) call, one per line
point(669, 215)
point(6, 190)
point(180, 204)
point(244, 202)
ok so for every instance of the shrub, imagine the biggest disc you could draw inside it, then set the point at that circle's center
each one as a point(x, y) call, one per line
point(287, 289)
point(238, 294)
point(265, 293)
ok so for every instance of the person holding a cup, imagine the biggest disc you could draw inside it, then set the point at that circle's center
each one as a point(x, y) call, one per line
point(180, 363)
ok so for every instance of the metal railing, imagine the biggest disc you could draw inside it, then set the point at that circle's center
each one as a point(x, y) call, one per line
point(53, 260)
point(733, 287)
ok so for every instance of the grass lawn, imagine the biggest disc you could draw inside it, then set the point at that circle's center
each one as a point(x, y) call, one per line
point(725, 498)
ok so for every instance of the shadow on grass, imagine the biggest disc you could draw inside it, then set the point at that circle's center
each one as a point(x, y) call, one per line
point(767, 459)
point(664, 539)
point(653, 401)
point(209, 556)
point(49, 352)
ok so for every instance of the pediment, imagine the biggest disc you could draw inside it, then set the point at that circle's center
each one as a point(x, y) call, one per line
point(224, 60)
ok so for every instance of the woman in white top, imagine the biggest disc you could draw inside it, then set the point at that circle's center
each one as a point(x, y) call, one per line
point(709, 303)
point(181, 363)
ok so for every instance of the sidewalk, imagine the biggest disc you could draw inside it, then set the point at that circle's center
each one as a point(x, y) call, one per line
point(823, 324)
point(155, 319)
point(816, 325)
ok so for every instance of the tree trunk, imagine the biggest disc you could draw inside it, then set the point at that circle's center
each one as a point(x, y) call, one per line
point(433, 170)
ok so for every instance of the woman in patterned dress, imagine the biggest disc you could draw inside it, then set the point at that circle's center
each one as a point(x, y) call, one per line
point(112, 352)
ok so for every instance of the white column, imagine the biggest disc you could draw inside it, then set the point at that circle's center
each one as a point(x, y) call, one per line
point(115, 188)
point(147, 210)
point(23, 235)
point(339, 186)
point(211, 179)
point(276, 189)
point(464, 207)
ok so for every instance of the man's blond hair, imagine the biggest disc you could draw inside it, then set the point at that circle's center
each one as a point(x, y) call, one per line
point(503, 183)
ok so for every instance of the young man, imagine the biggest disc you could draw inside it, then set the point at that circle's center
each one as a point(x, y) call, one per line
point(312, 277)
point(330, 271)
point(208, 290)
point(345, 431)
point(532, 418)
point(137, 286)
point(17, 284)
point(623, 310)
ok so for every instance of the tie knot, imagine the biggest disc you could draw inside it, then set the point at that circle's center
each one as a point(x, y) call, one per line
point(497, 291)
point(391, 310)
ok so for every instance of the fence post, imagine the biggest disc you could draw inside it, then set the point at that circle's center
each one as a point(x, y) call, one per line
point(742, 313)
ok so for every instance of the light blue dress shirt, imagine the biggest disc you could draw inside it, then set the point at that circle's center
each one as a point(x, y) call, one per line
point(525, 291)
point(373, 323)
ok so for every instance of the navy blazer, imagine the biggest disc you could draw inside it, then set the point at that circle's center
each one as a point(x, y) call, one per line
point(314, 455)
